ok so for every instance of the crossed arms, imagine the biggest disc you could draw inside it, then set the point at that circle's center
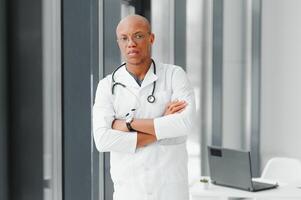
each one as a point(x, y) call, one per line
point(145, 127)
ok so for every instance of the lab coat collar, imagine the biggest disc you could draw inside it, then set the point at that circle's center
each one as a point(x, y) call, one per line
point(123, 76)
point(150, 77)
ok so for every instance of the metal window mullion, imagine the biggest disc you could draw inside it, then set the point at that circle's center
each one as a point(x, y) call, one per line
point(206, 95)
point(256, 85)
point(101, 173)
point(171, 31)
point(247, 76)
point(96, 168)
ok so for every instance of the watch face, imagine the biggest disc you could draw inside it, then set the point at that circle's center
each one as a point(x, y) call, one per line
point(128, 120)
point(129, 116)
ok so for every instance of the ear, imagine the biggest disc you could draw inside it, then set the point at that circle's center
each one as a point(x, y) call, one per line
point(152, 38)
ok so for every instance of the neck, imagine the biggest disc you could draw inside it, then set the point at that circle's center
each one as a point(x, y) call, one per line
point(140, 69)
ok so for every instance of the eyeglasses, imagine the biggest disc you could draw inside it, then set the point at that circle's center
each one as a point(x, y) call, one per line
point(137, 37)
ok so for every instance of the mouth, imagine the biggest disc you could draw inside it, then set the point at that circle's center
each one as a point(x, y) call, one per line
point(133, 52)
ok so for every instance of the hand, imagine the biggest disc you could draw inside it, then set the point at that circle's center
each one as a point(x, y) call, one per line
point(175, 107)
point(120, 125)
point(145, 139)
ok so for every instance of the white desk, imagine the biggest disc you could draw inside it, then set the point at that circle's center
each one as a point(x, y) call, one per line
point(284, 192)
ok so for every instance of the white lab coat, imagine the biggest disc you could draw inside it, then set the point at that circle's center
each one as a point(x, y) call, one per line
point(159, 170)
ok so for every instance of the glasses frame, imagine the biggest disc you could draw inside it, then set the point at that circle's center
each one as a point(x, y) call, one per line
point(136, 38)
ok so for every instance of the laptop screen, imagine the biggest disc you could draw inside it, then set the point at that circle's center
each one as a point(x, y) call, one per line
point(230, 167)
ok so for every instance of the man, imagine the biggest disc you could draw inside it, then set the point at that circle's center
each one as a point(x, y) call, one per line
point(142, 115)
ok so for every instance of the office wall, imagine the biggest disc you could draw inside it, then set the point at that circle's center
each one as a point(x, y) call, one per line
point(281, 83)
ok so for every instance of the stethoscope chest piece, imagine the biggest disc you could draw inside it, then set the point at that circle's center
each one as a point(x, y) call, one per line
point(151, 99)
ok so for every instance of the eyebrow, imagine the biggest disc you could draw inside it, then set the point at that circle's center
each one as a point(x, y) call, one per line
point(123, 34)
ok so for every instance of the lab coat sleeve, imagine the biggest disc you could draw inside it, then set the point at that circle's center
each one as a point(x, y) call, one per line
point(107, 139)
point(178, 124)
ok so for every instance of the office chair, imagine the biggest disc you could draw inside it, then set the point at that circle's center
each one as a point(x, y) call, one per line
point(283, 170)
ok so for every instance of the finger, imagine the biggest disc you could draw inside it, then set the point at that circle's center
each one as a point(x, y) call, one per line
point(182, 103)
point(177, 103)
point(177, 108)
point(172, 103)
point(181, 110)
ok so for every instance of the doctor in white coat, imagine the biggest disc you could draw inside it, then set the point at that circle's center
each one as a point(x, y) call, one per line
point(142, 114)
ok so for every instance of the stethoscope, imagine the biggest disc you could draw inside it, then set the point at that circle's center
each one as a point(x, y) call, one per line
point(151, 98)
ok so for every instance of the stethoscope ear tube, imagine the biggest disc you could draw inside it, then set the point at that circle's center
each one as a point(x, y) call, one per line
point(116, 83)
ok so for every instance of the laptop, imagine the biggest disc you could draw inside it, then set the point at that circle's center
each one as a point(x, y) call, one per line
point(232, 168)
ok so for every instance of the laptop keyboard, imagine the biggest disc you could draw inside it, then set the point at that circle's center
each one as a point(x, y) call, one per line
point(260, 185)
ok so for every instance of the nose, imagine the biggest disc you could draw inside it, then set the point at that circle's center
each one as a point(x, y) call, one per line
point(131, 42)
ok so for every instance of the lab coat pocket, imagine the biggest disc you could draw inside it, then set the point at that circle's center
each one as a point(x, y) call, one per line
point(176, 159)
point(174, 191)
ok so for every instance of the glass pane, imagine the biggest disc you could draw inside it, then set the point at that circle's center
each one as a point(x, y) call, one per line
point(236, 63)
point(193, 69)
point(52, 105)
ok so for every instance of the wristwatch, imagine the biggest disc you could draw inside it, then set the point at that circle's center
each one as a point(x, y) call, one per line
point(129, 118)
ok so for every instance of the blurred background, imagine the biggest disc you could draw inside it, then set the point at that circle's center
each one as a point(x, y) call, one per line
point(242, 58)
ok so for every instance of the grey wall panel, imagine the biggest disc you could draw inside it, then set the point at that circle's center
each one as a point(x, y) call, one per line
point(25, 88)
point(3, 104)
point(112, 11)
point(111, 61)
point(78, 62)
point(180, 33)
point(217, 72)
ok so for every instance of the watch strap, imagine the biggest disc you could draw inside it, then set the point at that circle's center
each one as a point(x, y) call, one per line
point(128, 125)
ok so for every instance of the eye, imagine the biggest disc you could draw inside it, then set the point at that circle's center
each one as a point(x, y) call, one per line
point(139, 36)
point(123, 39)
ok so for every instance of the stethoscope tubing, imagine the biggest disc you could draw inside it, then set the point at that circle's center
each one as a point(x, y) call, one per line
point(151, 98)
